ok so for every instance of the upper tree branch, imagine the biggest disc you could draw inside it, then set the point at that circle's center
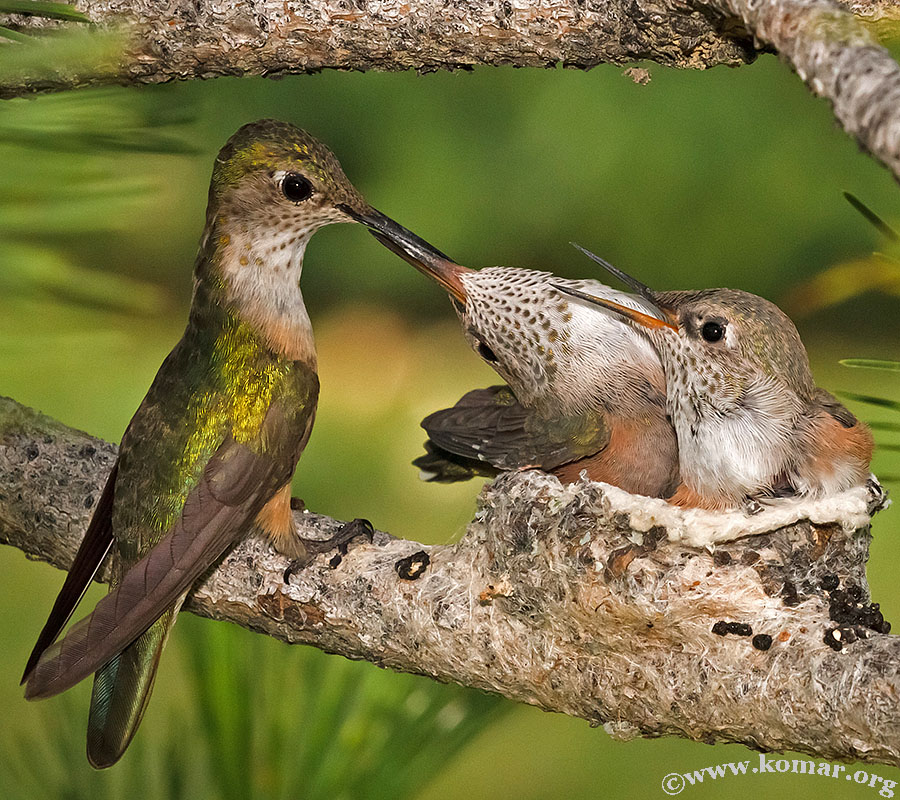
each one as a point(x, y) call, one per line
point(831, 49)
point(550, 598)
point(840, 60)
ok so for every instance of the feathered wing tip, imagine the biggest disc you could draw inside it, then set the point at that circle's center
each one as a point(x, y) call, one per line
point(441, 466)
point(121, 691)
point(490, 426)
point(93, 549)
point(124, 635)
point(207, 527)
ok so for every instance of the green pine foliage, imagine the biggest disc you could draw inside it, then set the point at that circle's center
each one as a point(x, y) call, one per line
point(887, 443)
point(254, 719)
point(36, 8)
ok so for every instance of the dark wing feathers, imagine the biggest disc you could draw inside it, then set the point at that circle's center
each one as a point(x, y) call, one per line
point(491, 426)
point(441, 466)
point(485, 425)
point(215, 515)
point(835, 408)
point(93, 549)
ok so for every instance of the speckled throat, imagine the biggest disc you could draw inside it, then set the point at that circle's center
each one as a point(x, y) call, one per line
point(733, 428)
point(555, 353)
point(692, 387)
point(259, 276)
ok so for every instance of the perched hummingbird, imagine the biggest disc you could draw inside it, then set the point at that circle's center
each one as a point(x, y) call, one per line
point(750, 420)
point(210, 452)
point(584, 391)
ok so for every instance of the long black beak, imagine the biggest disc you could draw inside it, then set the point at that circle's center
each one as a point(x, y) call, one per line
point(402, 241)
point(668, 319)
point(623, 311)
point(633, 283)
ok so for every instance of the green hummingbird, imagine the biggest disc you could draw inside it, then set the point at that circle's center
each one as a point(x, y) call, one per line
point(210, 452)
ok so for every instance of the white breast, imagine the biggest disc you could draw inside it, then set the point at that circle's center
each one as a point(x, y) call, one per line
point(739, 448)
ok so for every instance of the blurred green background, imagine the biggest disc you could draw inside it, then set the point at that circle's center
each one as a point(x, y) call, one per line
point(728, 177)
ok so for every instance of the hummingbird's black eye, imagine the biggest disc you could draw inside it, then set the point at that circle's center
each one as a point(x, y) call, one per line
point(712, 331)
point(296, 188)
point(485, 352)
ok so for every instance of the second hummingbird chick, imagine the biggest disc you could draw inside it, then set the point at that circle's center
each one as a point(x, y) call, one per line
point(583, 392)
point(750, 420)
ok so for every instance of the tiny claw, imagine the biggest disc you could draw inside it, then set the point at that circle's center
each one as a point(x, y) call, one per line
point(344, 535)
point(753, 506)
point(294, 566)
point(339, 541)
point(878, 496)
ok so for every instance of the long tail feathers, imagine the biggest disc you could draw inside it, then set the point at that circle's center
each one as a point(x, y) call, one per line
point(124, 635)
point(121, 690)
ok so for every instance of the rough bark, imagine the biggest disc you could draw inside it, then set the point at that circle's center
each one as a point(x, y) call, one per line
point(550, 598)
point(234, 37)
point(839, 58)
point(827, 42)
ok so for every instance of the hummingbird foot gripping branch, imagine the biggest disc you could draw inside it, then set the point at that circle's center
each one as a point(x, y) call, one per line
point(210, 452)
point(339, 541)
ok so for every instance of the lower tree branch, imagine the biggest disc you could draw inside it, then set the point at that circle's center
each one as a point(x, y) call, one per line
point(551, 598)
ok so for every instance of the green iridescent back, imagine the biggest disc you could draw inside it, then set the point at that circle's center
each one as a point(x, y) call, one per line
point(220, 379)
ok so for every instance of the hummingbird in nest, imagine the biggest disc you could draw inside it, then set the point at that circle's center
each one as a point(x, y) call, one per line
point(210, 452)
point(583, 391)
point(751, 422)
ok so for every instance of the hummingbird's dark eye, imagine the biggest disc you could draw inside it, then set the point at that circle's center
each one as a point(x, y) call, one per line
point(296, 188)
point(712, 331)
point(485, 352)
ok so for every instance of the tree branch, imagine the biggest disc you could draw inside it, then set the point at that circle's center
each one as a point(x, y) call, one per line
point(554, 598)
point(838, 57)
point(833, 50)
point(265, 37)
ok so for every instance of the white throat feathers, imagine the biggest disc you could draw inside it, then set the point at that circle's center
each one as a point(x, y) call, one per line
point(262, 279)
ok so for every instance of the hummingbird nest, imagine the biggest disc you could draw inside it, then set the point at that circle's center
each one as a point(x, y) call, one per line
point(697, 527)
